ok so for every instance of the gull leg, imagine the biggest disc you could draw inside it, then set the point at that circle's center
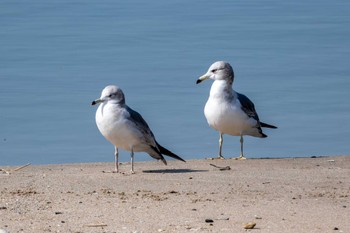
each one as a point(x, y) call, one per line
point(241, 157)
point(221, 140)
point(116, 168)
point(132, 161)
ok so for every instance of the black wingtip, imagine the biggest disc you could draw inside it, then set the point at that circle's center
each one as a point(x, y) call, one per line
point(169, 153)
point(262, 124)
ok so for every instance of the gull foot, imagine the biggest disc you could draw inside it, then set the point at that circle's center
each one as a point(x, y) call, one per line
point(240, 158)
point(219, 157)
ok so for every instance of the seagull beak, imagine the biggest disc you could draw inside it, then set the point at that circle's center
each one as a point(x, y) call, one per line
point(97, 101)
point(202, 78)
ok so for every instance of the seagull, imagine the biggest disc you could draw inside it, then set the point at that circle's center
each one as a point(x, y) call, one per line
point(125, 128)
point(228, 111)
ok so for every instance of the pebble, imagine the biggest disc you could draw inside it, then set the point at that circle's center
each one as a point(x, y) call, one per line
point(208, 220)
point(3, 231)
point(250, 225)
point(223, 218)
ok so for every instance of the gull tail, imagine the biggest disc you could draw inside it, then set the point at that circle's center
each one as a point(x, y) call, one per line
point(262, 124)
point(168, 152)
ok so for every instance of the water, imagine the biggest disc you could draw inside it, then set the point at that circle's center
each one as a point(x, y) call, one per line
point(290, 58)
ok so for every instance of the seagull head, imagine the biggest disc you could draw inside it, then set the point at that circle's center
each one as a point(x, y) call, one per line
point(219, 70)
point(112, 94)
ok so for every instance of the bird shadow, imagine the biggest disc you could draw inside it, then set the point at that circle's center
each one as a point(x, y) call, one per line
point(173, 171)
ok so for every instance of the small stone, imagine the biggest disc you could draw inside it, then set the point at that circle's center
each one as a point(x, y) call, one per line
point(223, 218)
point(208, 220)
point(249, 225)
point(336, 228)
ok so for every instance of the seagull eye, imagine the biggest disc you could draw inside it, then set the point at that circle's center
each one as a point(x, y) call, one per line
point(214, 70)
point(111, 95)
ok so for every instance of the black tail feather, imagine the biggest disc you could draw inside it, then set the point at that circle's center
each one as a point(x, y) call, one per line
point(168, 152)
point(262, 124)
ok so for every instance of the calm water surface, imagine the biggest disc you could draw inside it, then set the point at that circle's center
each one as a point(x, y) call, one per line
point(290, 58)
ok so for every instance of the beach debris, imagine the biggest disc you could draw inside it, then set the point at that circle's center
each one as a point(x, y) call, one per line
point(58, 212)
point(21, 167)
point(249, 225)
point(336, 228)
point(5, 171)
point(221, 168)
point(96, 225)
point(8, 172)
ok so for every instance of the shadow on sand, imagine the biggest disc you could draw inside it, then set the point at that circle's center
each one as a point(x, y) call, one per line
point(173, 171)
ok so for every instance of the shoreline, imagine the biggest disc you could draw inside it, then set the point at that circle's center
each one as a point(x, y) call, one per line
point(277, 194)
point(168, 159)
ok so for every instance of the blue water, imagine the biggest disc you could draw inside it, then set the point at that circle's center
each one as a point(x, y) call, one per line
point(291, 58)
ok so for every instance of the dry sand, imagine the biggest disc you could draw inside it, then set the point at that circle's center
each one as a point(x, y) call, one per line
point(279, 195)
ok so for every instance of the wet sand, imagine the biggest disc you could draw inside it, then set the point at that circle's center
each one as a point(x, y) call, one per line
point(278, 195)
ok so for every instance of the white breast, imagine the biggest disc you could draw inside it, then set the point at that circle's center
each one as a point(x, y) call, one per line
point(116, 128)
point(225, 114)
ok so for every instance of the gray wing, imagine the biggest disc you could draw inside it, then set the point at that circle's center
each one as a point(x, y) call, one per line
point(248, 106)
point(141, 125)
point(156, 149)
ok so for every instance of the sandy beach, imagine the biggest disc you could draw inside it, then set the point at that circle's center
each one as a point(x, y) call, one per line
point(277, 195)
